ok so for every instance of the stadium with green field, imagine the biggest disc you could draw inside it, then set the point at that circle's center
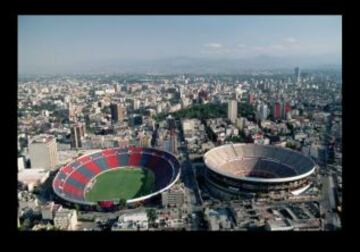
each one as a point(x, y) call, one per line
point(107, 177)
point(120, 183)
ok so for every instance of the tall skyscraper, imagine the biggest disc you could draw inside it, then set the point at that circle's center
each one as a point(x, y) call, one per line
point(250, 98)
point(232, 110)
point(117, 112)
point(43, 152)
point(277, 110)
point(240, 123)
point(116, 88)
point(262, 111)
point(136, 104)
point(71, 110)
point(173, 140)
point(77, 133)
point(297, 74)
point(171, 122)
point(285, 108)
point(281, 109)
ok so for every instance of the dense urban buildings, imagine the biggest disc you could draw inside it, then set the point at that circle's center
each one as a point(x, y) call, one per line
point(234, 128)
point(187, 116)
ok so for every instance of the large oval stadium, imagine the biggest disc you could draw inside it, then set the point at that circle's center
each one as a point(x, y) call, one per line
point(234, 169)
point(133, 174)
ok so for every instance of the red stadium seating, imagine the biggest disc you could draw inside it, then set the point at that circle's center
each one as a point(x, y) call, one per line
point(84, 159)
point(106, 204)
point(68, 188)
point(93, 167)
point(80, 177)
point(135, 149)
point(57, 183)
point(88, 163)
point(111, 158)
point(67, 169)
point(108, 152)
point(134, 158)
point(72, 178)
point(112, 161)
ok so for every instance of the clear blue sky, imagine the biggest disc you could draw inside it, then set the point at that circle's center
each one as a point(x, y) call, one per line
point(61, 41)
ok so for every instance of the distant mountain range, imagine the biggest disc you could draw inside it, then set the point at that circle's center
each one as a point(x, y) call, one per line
point(178, 65)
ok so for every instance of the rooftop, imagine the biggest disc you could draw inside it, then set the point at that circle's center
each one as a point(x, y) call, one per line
point(28, 176)
point(279, 224)
point(42, 139)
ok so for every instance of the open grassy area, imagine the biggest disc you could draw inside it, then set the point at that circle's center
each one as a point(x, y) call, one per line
point(125, 183)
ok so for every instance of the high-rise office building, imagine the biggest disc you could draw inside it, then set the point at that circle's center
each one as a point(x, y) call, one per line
point(281, 109)
point(77, 133)
point(285, 108)
point(117, 112)
point(173, 197)
point(136, 104)
point(43, 152)
point(173, 139)
point(250, 98)
point(262, 111)
point(297, 74)
point(171, 122)
point(116, 88)
point(241, 123)
point(277, 110)
point(71, 111)
point(232, 110)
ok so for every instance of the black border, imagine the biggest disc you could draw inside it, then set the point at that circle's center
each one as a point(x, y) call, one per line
point(259, 7)
point(200, 240)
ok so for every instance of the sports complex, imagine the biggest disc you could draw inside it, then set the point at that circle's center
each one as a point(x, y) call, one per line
point(236, 169)
point(133, 174)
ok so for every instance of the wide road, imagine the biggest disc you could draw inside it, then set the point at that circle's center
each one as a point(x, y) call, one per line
point(188, 177)
point(328, 201)
point(328, 206)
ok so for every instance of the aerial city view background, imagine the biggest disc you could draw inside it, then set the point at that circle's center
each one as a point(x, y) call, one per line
point(179, 123)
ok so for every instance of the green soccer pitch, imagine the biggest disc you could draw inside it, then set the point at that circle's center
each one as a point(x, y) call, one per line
point(124, 183)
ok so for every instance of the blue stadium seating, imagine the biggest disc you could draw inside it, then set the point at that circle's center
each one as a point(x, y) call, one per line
point(75, 183)
point(79, 173)
point(124, 158)
point(99, 160)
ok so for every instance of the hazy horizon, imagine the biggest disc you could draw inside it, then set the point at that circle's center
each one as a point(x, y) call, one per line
point(55, 44)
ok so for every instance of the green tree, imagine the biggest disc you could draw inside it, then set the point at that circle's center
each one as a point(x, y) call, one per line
point(26, 224)
point(235, 139)
point(98, 208)
point(77, 207)
point(291, 145)
point(106, 110)
point(152, 215)
point(122, 203)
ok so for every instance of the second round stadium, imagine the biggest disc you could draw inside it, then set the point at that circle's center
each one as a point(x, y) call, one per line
point(235, 169)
